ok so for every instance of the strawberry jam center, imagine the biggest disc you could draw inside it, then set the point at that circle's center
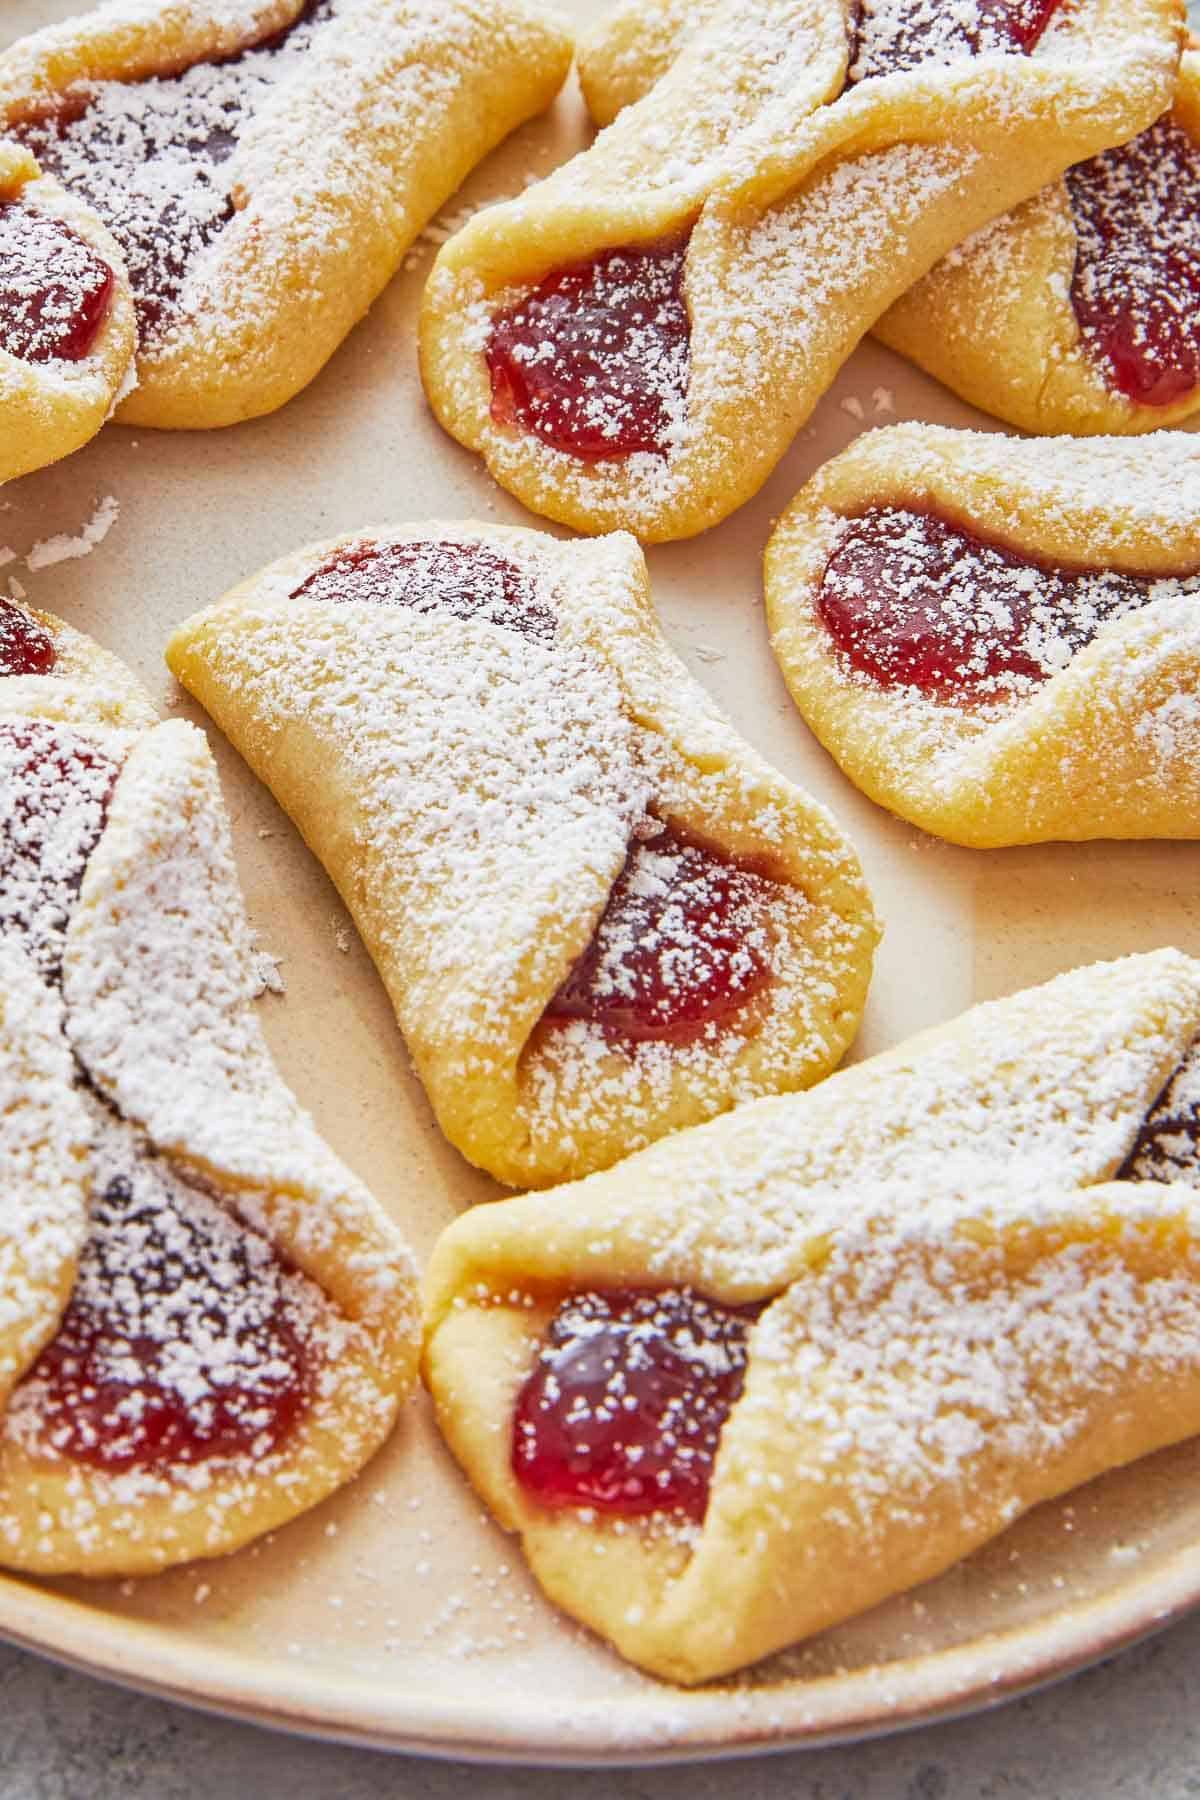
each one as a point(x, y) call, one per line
point(55, 787)
point(683, 944)
point(913, 601)
point(891, 36)
point(26, 648)
point(1136, 283)
point(148, 156)
point(468, 580)
point(1167, 1147)
point(595, 359)
point(55, 290)
point(179, 1343)
point(624, 1407)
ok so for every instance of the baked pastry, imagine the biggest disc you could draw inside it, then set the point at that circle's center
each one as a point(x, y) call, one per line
point(999, 639)
point(265, 167)
point(66, 318)
point(599, 915)
point(1074, 313)
point(635, 341)
point(241, 1330)
point(1080, 311)
point(768, 1373)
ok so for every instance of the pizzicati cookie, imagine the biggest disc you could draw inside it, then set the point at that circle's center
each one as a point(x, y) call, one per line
point(265, 168)
point(1080, 311)
point(636, 341)
point(43, 1151)
point(999, 639)
point(778, 1368)
point(66, 318)
point(240, 1330)
point(600, 916)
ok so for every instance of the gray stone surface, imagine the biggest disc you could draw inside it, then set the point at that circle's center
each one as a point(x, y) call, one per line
point(1129, 1730)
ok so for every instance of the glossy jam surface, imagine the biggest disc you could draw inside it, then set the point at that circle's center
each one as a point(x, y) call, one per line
point(468, 580)
point(913, 601)
point(26, 648)
point(1136, 283)
point(1168, 1145)
point(55, 786)
point(683, 943)
point(624, 1407)
point(55, 290)
point(894, 35)
point(149, 157)
point(178, 1345)
point(595, 359)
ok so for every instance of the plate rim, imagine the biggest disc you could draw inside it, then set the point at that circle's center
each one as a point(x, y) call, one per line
point(671, 1725)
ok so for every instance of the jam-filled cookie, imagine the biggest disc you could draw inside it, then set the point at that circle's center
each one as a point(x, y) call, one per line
point(599, 915)
point(768, 1373)
point(636, 341)
point(66, 318)
point(997, 639)
point(1080, 311)
point(264, 168)
point(43, 1149)
point(241, 1329)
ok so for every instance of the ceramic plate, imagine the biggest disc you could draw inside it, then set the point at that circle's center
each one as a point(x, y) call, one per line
point(395, 1614)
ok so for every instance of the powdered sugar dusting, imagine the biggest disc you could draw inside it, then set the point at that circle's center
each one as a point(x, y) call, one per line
point(68, 546)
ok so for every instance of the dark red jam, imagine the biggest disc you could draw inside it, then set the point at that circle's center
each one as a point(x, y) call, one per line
point(683, 944)
point(26, 648)
point(55, 787)
point(1136, 283)
point(626, 1402)
point(148, 156)
point(55, 290)
point(911, 600)
point(1167, 1147)
point(179, 1344)
point(595, 359)
point(468, 580)
point(891, 36)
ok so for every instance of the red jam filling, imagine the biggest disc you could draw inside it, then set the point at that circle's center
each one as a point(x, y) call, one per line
point(683, 944)
point(1136, 283)
point(54, 791)
point(624, 1408)
point(891, 36)
point(468, 580)
point(147, 156)
point(178, 1345)
point(55, 290)
point(1167, 1147)
point(911, 600)
point(26, 648)
point(595, 359)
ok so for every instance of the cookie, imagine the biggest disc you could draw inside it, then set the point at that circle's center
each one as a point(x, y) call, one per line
point(776, 1369)
point(999, 639)
point(265, 168)
point(600, 916)
point(66, 319)
point(636, 341)
point(240, 1332)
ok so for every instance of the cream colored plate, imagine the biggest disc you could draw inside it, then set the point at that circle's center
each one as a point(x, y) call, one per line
point(396, 1614)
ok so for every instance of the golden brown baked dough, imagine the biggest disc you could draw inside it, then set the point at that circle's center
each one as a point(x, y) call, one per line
point(482, 741)
point(964, 1315)
point(994, 319)
point(43, 1147)
point(806, 208)
point(271, 1301)
point(361, 126)
point(1092, 742)
point(49, 408)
